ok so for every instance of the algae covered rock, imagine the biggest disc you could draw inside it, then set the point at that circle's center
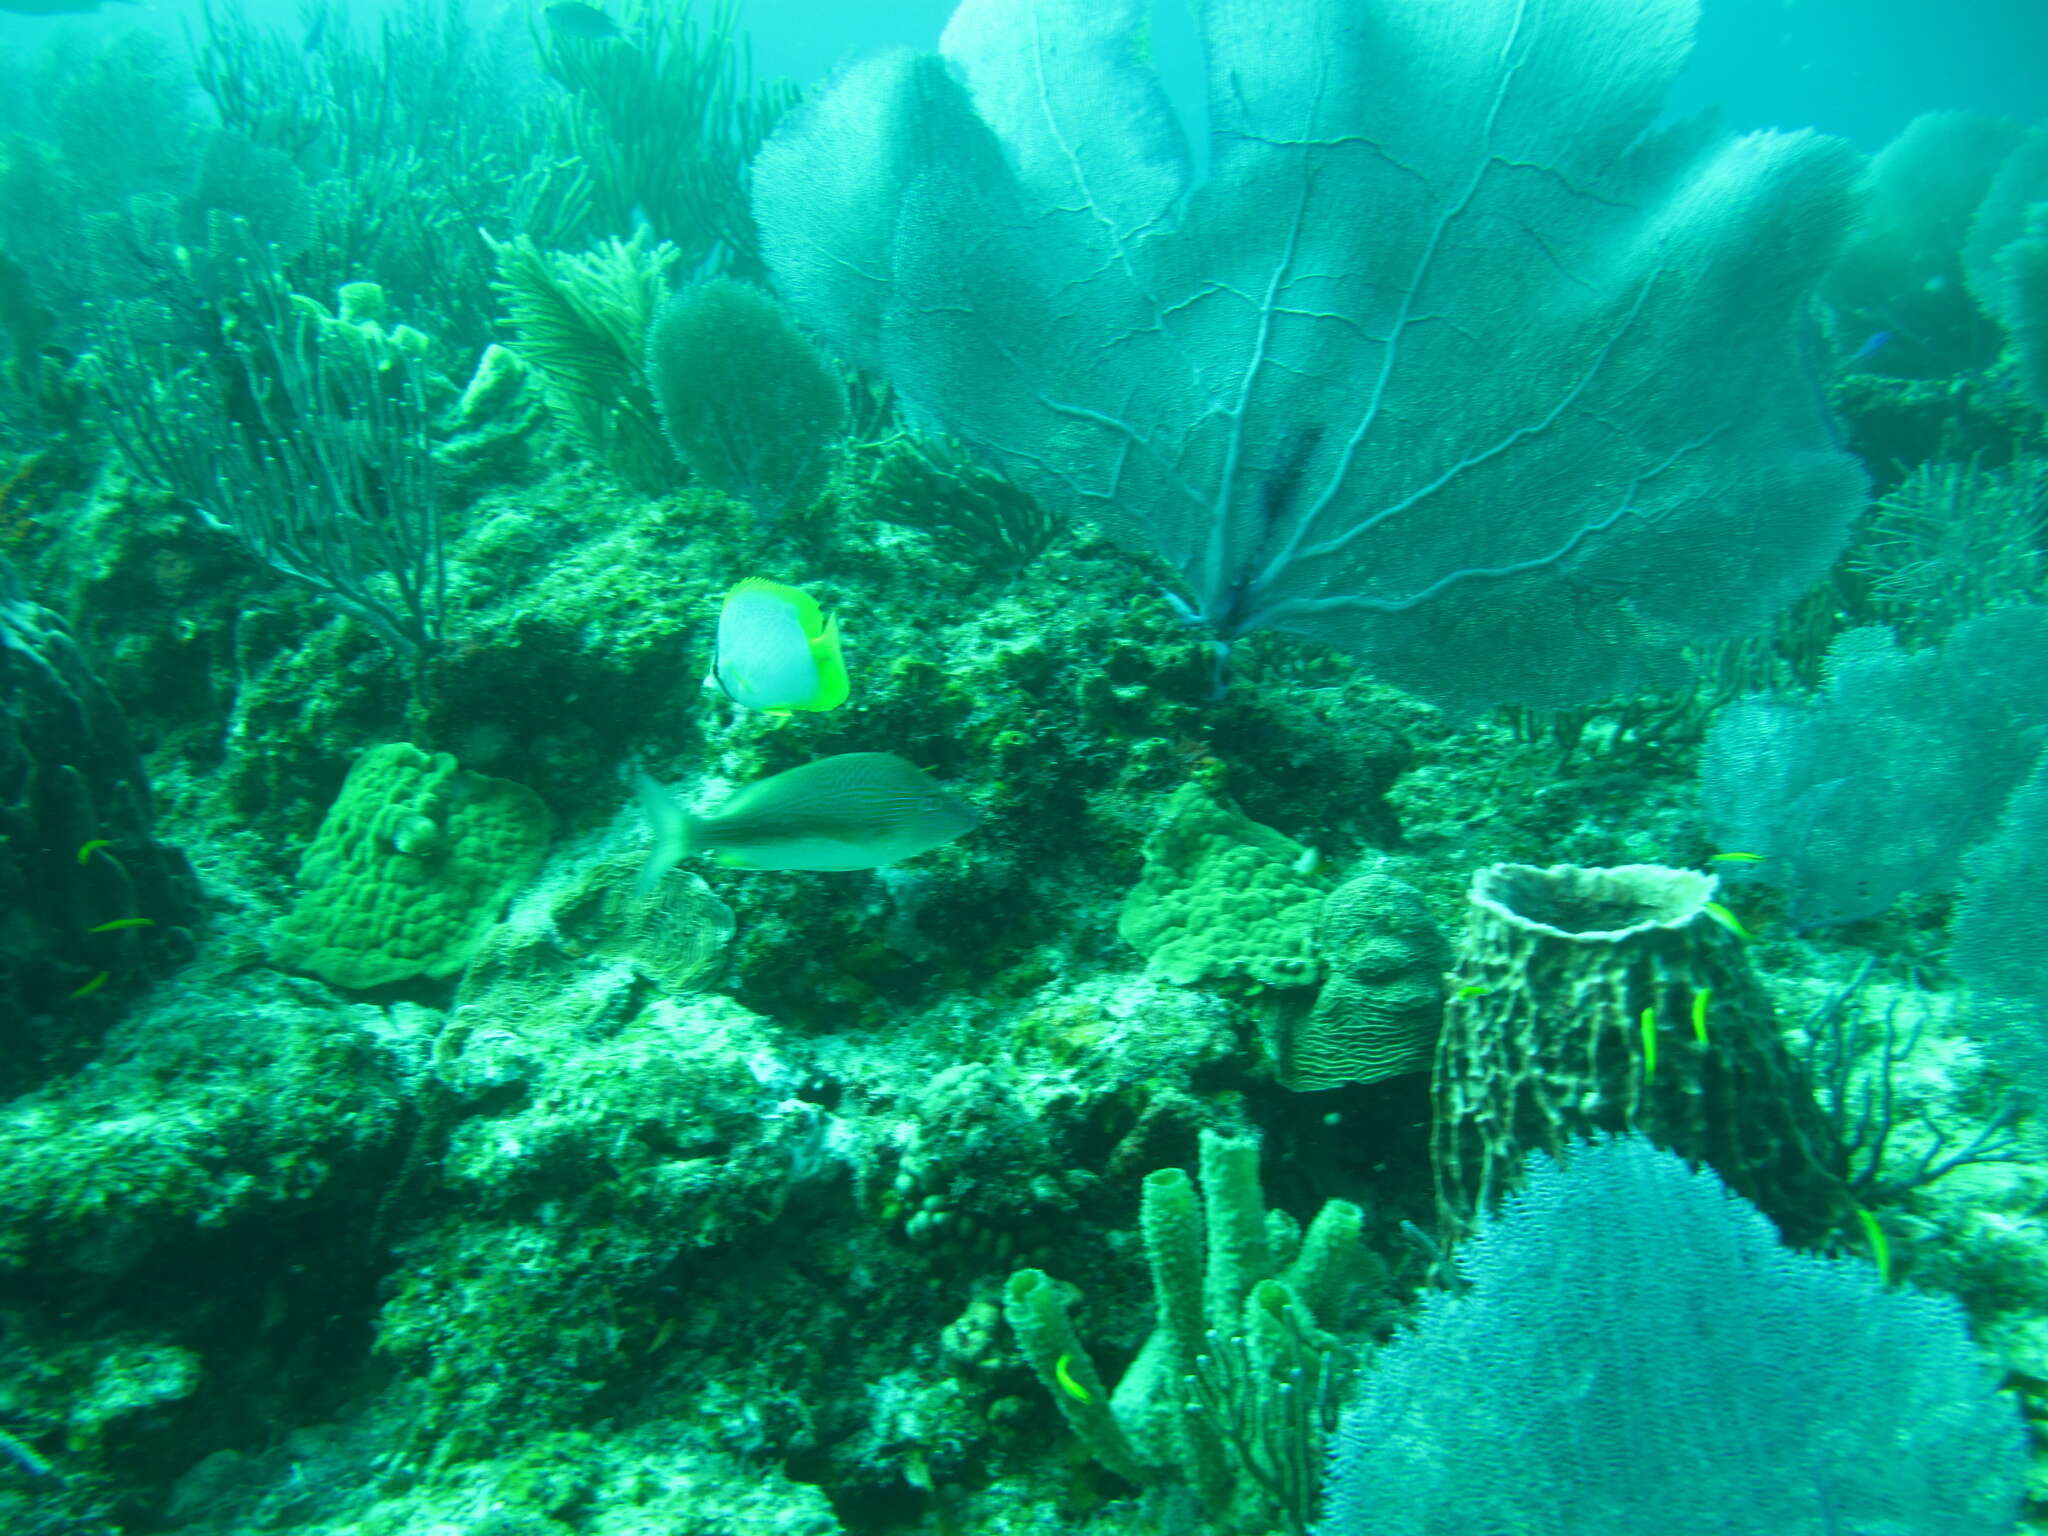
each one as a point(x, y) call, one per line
point(1222, 898)
point(410, 869)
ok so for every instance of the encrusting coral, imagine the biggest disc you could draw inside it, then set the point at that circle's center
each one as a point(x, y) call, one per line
point(1222, 898)
point(410, 870)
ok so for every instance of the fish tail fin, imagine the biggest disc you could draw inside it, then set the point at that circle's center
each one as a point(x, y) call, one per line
point(674, 834)
point(833, 686)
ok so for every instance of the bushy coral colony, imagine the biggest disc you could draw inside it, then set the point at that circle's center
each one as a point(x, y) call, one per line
point(911, 808)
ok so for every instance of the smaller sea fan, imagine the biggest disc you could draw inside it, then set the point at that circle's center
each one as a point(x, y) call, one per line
point(749, 404)
point(1636, 1352)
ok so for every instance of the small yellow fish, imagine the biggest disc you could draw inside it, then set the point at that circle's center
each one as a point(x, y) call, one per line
point(1700, 999)
point(91, 986)
point(1068, 1385)
point(1728, 920)
point(1737, 858)
point(87, 850)
point(1880, 1246)
point(122, 922)
point(777, 651)
point(1649, 1043)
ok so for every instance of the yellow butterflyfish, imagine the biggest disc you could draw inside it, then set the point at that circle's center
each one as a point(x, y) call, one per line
point(777, 651)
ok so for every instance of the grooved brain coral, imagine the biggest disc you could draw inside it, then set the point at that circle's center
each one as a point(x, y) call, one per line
point(1377, 1016)
point(410, 869)
point(1221, 898)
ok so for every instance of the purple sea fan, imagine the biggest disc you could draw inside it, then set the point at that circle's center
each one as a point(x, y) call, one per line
point(1449, 359)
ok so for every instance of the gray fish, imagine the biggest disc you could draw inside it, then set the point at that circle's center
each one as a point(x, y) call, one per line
point(572, 18)
point(859, 810)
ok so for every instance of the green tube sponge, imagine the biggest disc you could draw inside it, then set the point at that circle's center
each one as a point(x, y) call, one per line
point(1229, 1396)
point(1238, 1253)
point(1170, 1217)
point(1333, 1259)
point(749, 404)
point(1037, 1313)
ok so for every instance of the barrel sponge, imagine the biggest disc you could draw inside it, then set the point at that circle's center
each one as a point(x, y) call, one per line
point(410, 869)
point(1221, 899)
point(1617, 1000)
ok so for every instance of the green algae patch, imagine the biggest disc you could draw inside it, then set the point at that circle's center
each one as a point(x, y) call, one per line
point(410, 869)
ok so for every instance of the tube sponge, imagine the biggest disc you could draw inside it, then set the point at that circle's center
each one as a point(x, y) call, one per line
point(1037, 1313)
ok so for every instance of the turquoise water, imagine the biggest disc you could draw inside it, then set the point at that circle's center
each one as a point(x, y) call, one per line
point(1276, 768)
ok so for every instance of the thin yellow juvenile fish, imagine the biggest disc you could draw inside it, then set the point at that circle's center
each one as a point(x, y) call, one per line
point(1738, 858)
point(1728, 920)
point(1068, 1385)
point(122, 922)
point(1649, 1043)
point(87, 850)
point(1700, 1000)
point(1880, 1246)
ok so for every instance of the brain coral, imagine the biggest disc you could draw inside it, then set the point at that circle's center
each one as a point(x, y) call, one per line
point(410, 869)
point(1377, 1015)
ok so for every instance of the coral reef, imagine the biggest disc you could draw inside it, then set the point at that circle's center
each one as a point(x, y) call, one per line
point(376, 1160)
point(95, 903)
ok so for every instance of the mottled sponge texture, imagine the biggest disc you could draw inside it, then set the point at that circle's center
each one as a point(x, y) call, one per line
point(1634, 1352)
point(410, 870)
point(1589, 1000)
